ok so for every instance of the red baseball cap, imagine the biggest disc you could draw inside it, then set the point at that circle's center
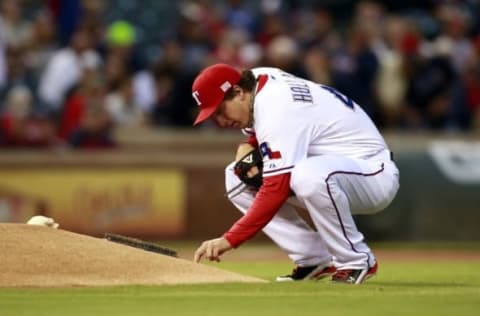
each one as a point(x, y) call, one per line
point(210, 86)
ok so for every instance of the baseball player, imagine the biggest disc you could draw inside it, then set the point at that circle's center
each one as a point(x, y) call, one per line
point(312, 147)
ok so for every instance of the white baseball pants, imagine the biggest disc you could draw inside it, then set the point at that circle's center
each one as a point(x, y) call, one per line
point(331, 188)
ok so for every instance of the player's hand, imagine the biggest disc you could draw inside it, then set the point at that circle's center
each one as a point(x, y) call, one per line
point(249, 165)
point(212, 249)
point(242, 150)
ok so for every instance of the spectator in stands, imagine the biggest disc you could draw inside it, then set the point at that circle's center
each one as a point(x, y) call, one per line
point(378, 56)
point(238, 16)
point(121, 106)
point(283, 52)
point(465, 105)
point(207, 17)
point(95, 130)
point(165, 78)
point(122, 54)
point(315, 27)
point(229, 45)
point(316, 65)
point(3, 63)
point(16, 30)
point(65, 69)
point(173, 106)
point(68, 17)
point(428, 96)
point(17, 72)
point(42, 45)
point(194, 39)
point(370, 16)
point(93, 19)
point(354, 69)
point(271, 26)
point(455, 23)
point(391, 82)
point(84, 121)
point(472, 79)
point(250, 55)
point(91, 87)
point(19, 127)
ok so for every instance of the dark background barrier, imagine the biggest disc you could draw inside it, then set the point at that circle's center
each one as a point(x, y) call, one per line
point(433, 203)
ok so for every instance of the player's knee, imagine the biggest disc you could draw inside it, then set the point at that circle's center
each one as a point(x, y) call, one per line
point(235, 190)
point(306, 181)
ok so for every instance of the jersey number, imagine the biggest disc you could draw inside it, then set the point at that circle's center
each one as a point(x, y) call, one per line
point(346, 100)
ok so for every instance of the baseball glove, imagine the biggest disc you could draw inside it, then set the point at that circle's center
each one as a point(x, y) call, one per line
point(250, 160)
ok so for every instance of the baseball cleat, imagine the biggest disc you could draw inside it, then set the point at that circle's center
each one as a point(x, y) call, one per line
point(354, 276)
point(308, 273)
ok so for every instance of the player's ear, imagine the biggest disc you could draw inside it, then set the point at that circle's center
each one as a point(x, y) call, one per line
point(238, 91)
point(241, 93)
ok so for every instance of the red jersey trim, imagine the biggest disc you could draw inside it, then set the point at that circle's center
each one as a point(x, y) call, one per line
point(252, 140)
point(262, 80)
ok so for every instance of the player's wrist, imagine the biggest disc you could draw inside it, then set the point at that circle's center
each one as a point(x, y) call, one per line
point(242, 150)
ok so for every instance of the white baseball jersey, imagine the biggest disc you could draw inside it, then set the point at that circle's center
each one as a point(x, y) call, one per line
point(337, 164)
point(295, 118)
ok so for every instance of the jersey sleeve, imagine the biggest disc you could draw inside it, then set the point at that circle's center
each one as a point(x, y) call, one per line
point(271, 196)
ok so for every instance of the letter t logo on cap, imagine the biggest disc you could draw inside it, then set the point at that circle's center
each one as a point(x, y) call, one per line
point(196, 96)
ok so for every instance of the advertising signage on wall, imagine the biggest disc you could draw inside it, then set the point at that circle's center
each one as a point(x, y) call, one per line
point(459, 161)
point(130, 201)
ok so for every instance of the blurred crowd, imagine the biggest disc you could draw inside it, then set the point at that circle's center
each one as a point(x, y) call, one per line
point(70, 72)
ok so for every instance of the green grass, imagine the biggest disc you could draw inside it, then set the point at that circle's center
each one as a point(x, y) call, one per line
point(406, 288)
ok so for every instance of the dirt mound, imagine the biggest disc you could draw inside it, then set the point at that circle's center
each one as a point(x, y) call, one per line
point(36, 256)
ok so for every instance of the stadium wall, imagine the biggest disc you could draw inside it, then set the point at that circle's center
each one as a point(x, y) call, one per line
point(169, 184)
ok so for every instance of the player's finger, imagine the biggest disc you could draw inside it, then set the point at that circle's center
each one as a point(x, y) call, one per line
point(199, 253)
point(252, 172)
point(216, 253)
point(197, 256)
point(209, 251)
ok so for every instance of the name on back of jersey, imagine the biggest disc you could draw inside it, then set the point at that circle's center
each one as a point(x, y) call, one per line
point(299, 88)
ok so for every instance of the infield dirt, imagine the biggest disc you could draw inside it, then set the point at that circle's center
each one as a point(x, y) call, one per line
point(37, 256)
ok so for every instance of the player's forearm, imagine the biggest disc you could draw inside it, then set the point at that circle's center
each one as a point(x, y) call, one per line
point(273, 193)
